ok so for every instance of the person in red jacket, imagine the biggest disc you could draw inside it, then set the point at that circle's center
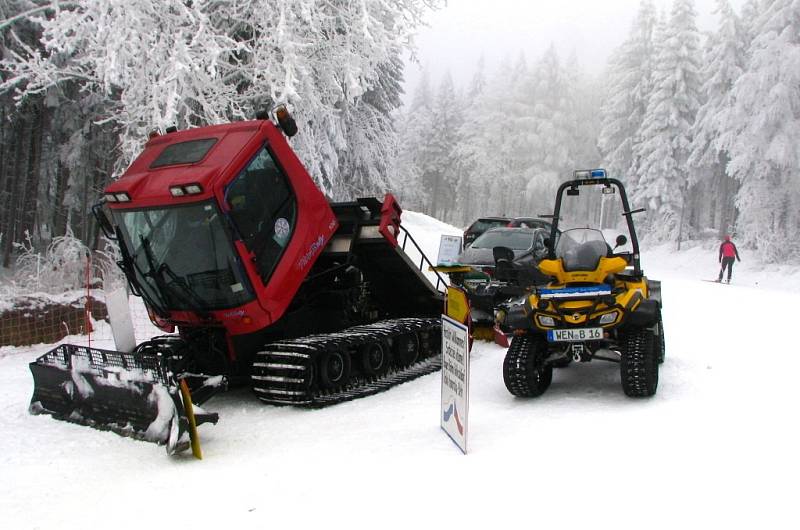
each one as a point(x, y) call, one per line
point(727, 253)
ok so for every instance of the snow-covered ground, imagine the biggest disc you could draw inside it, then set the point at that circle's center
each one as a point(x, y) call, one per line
point(716, 447)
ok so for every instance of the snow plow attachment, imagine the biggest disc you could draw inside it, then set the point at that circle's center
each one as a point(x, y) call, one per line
point(131, 394)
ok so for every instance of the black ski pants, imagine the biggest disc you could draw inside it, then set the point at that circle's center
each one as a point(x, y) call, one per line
point(727, 262)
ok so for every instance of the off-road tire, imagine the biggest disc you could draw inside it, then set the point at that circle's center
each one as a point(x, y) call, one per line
point(639, 363)
point(659, 339)
point(524, 372)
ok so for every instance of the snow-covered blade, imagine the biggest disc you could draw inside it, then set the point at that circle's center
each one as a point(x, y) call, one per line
point(133, 395)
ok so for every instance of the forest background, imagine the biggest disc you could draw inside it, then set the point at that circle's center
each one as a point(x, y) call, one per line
point(702, 128)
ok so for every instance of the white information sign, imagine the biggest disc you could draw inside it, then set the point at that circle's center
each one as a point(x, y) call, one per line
point(449, 250)
point(455, 381)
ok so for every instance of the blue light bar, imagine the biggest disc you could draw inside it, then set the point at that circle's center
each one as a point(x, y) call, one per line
point(598, 173)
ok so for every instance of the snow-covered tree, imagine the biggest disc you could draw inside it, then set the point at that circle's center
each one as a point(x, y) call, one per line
point(172, 62)
point(412, 154)
point(764, 130)
point(723, 63)
point(441, 177)
point(667, 126)
point(628, 88)
point(471, 150)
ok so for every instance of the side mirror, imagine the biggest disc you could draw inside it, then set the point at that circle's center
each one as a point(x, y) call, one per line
point(621, 240)
point(103, 220)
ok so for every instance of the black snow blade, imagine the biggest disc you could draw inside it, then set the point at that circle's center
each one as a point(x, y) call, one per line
point(133, 395)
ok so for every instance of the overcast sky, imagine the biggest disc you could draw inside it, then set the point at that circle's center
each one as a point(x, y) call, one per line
point(460, 33)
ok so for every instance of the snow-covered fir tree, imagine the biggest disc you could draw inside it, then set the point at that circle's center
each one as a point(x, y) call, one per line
point(628, 88)
point(413, 155)
point(441, 174)
point(764, 131)
point(723, 63)
point(666, 131)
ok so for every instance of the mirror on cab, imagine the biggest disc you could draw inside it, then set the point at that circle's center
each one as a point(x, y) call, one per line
point(621, 240)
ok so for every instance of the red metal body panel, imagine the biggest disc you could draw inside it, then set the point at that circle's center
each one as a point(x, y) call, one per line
point(390, 219)
point(236, 145)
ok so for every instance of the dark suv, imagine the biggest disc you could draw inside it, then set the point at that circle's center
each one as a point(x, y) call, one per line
point(482, 225)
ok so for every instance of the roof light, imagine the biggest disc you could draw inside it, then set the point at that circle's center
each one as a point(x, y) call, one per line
point(582, 174)
point(598, 173)
point(186, 189)
point(285, 120)
point(110, 197)
point(122, 197)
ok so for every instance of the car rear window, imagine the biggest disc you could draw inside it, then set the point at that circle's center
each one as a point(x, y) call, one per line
point(184, 152)
point(482, 225)
point(513, 239)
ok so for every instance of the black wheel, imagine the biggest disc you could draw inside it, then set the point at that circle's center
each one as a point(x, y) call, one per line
point(524, 372)
point(334, 369)
point(375, 358)
point(639, 363)
point(659, 340)
point(405, 349)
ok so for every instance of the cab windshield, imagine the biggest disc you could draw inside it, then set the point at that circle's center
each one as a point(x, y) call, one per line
point(182, 257)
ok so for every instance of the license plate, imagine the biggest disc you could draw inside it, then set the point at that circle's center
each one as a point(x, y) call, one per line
point(574, 335)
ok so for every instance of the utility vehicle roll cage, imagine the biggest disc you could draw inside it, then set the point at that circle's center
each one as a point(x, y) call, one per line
point(594, 177)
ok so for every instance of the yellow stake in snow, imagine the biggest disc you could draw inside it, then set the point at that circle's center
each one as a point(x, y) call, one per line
point(193, 436)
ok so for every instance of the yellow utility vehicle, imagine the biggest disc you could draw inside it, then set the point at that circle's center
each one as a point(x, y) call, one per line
point(599, 304)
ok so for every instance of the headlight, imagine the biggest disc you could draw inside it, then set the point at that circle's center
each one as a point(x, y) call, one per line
point(608, 318)
point(546, 321)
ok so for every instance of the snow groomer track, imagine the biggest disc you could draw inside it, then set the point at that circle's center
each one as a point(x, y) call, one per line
point(288, 372)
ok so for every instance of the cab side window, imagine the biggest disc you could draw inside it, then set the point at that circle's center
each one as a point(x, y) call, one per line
point(263, 208)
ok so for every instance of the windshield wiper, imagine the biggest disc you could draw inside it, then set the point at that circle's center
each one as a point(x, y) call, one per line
point(157, 273)
point(127, 264)
point(189, 295)
point(154, 272)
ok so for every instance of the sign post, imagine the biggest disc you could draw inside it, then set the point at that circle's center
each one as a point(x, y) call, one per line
point(454, 405)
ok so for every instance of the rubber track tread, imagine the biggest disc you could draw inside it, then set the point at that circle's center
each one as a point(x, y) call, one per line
point(295, 359)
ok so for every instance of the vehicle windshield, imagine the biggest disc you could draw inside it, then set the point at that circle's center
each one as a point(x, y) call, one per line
point(182, 257)
point(581, 249)
point(595, 209)
point(513, 239)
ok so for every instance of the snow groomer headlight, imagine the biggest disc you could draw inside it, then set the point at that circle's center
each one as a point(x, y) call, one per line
point(608, 318)
point(546, 321)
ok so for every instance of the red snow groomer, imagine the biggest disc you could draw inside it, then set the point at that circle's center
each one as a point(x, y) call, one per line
point(259, 279)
